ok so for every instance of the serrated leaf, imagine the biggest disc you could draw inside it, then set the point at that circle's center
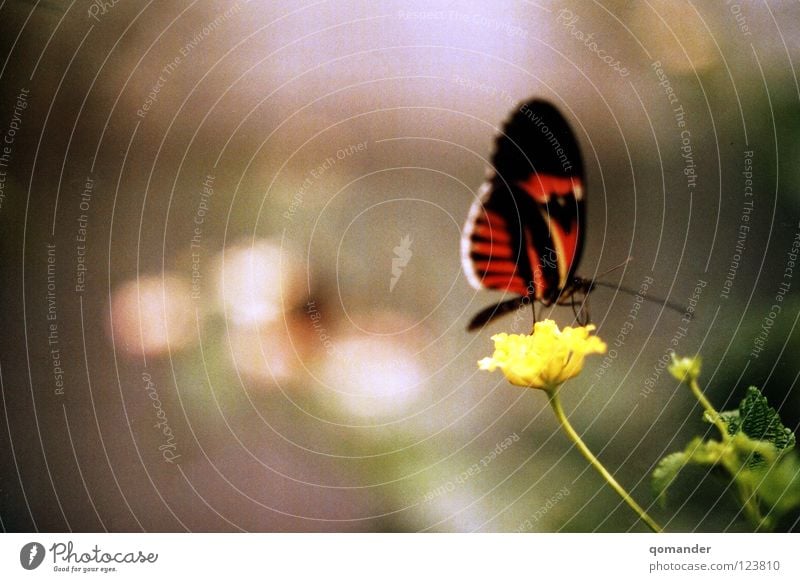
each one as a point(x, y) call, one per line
point(730, 418)
point(759, 421)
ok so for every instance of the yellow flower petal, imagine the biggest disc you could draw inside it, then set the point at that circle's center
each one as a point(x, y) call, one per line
point(544, 359)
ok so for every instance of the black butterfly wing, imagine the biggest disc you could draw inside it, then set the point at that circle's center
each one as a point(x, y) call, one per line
point(524, 234)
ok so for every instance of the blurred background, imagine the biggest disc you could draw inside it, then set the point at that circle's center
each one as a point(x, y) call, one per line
point(232, 296)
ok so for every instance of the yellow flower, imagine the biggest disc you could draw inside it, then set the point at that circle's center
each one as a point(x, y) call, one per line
point(544, 359)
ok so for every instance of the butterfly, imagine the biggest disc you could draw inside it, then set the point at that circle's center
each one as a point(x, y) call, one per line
point(526, 228)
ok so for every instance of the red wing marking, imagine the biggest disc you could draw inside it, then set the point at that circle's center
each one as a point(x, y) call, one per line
point(496, 267)
point(539, 282)
point(487, 251)
point(542, 186)
point(488, 233)
point(492, 219)
point(493, 250)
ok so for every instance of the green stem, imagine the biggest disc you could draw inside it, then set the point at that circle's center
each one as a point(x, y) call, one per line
point(555, 402)
point(746, 497)
point(710, 410)
point(751, 508)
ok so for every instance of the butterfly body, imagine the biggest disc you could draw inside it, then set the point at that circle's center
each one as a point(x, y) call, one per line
point(525, 230)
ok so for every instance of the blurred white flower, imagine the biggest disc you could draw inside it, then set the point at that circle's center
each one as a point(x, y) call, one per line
point(152, 315)
point(257, 282)
point(373, 376)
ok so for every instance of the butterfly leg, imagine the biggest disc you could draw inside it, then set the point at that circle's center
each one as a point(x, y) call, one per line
point(535, 319)
point(575, 308)
point(583, 316)
point(580, 309)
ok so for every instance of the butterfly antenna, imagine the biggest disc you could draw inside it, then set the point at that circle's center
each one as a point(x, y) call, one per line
point(670, 304)
point(612, 269)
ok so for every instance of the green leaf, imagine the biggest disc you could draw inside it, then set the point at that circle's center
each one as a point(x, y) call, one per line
point(730, 418)
point(697, 452)
point(759, 421)
point(778, 484)
point(665, 473)
point(705, 452)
